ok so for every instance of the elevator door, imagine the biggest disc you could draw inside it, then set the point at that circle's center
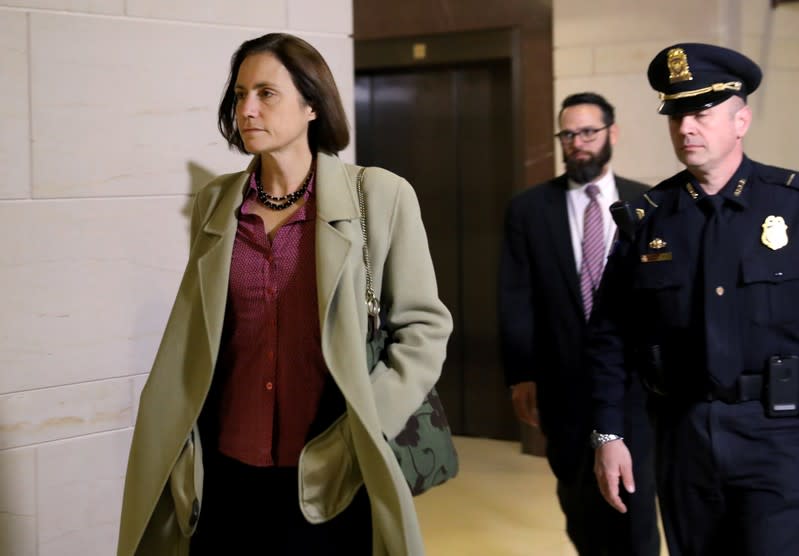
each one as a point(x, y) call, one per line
point(448, 131)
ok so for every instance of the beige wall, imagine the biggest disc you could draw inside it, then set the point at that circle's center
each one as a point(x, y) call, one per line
point(107, 125)
point(607, 45)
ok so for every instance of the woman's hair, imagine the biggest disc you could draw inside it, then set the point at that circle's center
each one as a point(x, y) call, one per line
point(312, 77)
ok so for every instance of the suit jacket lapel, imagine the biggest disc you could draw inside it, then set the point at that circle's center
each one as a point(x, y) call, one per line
point(560, 235)
point(558, 224)
point(627, 190)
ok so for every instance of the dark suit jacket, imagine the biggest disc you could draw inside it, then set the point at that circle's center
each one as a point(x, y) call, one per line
point(542, 327)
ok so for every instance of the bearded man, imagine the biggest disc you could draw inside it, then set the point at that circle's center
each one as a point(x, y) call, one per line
point(557, 237)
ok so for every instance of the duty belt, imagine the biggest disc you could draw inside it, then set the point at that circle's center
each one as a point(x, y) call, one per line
point(745, 388)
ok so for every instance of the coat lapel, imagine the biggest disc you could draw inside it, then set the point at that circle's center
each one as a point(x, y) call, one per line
point(214, 263)
point(627, 190)
point(558, 226)
point(340, 285)
point(336, 203)
point(336, 207)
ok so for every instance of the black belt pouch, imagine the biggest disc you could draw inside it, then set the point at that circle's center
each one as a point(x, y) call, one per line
point(782, 386)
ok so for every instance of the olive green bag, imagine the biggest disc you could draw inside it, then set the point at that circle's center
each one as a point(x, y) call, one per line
point(424, 447)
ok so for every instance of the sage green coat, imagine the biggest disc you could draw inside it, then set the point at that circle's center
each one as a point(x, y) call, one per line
point(164, 478)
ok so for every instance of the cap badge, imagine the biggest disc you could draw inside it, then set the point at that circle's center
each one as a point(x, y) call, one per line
point(775, 232)
point(678, 66)
point(657, 243)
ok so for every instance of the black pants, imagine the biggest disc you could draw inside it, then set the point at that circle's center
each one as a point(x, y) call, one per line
point(594, 527)
point(255, 510)
point(728, 480)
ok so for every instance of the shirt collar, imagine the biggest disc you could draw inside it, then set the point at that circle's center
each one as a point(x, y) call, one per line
point(606, 184)
point(735, 191)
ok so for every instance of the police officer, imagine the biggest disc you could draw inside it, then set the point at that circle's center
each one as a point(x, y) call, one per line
point(701, 297)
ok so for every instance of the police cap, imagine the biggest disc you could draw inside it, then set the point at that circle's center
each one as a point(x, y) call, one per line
point(692, 76)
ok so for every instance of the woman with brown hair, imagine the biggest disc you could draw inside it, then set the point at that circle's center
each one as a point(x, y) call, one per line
point(260, 429)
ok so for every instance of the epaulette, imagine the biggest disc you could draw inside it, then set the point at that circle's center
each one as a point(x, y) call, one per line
point(778, 176)
point(651, 199)
point(648, 203)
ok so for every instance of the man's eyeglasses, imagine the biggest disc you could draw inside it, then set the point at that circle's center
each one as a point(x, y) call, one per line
point(586, 135)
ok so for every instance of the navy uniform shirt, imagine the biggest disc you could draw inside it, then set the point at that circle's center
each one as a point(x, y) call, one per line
point(699, 296)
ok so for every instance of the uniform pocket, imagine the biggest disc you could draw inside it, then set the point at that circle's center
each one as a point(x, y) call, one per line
point(661, 289)
point(771, 287)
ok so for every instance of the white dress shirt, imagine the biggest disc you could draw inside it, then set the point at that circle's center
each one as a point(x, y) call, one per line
point(577, 199)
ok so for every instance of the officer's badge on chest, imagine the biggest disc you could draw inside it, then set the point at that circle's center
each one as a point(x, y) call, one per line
point(775, 232)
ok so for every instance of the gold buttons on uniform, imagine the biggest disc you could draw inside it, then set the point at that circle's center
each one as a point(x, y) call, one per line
point(719, 291)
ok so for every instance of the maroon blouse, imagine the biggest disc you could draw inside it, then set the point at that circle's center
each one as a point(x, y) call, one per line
point(271, 355)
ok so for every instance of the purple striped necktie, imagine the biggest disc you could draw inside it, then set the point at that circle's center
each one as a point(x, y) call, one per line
point(593, 249)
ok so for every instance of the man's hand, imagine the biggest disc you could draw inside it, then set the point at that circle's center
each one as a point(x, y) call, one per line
point(525, 403)
point(612, 462)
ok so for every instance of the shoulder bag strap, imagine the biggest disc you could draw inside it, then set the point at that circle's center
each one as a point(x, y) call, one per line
point(372, 303)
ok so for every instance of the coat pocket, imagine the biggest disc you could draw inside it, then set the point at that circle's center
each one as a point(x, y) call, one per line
point(186, 483)
point(329, 475)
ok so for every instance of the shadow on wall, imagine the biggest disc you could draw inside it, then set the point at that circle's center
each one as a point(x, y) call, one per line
point(156, 298)
point(159, 302)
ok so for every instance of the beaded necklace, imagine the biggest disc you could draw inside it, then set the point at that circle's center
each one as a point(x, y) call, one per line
point(283, 201)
